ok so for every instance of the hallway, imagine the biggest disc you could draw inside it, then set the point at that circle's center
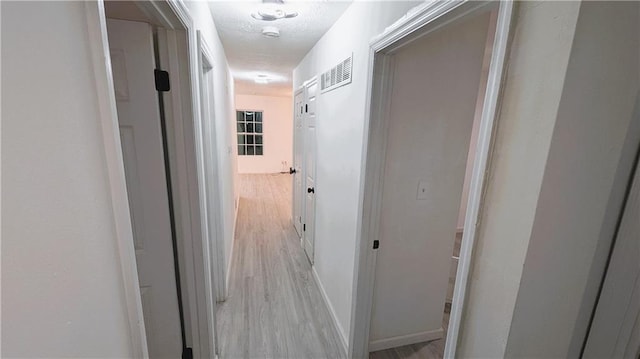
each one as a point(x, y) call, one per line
point(274, 308)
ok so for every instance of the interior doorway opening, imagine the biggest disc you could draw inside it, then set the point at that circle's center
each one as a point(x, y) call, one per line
point(434, 93)
point(143, 139)
point(154, 90)
point(428, 145)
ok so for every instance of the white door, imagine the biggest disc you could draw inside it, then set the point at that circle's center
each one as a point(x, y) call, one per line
point(615, 331)
point(311, 90)
point(132, 60)
point(298, 152)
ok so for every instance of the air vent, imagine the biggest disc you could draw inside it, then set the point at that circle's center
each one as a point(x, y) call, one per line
point(337, 76)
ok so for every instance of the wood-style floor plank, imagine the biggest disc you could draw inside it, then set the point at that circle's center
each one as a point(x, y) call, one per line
point(274, 308)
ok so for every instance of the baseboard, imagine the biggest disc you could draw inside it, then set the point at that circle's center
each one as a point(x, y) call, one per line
point(233, 241)
point(334, 317)
point(408, 339)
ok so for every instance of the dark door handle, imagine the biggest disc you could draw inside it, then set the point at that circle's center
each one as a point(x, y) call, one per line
point(292, 170)
point(311, 190)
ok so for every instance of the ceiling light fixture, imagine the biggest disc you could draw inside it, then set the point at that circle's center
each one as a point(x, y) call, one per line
point(271, 32)
point(271, 11)
point(261, 79)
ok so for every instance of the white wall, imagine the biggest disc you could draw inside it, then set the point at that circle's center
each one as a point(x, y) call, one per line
point(580, 200)
point(537, 62)
point(564, 146)
point(225, 122)
point(433, 100)
point(339, 145)
point(277, 121)
point(62, 289)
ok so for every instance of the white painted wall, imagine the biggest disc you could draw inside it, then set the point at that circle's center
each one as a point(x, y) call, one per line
point(339, 145)
point(225, 122)
point(433, 101)
point(580, 200)
point(62, 289)
point(537, 62)
point(564, 145)
point(277, 118)
point(63, 294)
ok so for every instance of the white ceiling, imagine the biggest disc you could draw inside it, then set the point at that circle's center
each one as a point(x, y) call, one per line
point(250, 53)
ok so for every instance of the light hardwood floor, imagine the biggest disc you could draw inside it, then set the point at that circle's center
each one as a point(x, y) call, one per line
point(274, 308)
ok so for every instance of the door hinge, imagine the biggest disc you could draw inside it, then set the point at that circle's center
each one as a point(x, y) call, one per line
point(304, 227)
point(162, 80)
point(376, 244)
point(187, 353)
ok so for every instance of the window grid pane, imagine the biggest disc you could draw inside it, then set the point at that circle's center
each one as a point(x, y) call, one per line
point(250, 136)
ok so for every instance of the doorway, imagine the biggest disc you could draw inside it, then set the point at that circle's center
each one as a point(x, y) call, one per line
point(154, 91)
point(426, 87)
point(143, 147)
point(428, 140)
point(304, 165)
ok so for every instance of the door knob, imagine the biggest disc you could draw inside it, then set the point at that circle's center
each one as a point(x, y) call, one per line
point(292, 170)
point(311, 190)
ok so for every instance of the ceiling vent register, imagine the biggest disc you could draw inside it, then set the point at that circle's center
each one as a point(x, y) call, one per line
point(337, 76)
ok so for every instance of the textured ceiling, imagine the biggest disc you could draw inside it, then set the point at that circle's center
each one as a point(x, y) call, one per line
point(250, 53)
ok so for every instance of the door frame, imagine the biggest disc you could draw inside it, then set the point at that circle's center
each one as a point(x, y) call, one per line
point(182, 107)
point(212, 254)
point(207, 89)
point(423, 20)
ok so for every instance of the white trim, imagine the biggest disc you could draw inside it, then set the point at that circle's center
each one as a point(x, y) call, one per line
point(479, 173)
point(334, 316)
point(207, 328)
point(99, 47)
point(418, 22)
point(408, 339)
point(205, 57)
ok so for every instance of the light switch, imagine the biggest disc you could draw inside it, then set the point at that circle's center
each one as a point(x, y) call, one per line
point(422, 190)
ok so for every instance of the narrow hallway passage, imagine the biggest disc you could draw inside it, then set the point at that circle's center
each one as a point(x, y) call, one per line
point(274, 308)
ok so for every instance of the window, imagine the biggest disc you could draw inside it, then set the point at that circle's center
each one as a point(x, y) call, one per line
point(249, 125)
